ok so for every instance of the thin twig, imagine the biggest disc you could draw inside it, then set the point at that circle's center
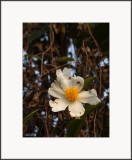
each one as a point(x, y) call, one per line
point(87, 133)
point(46, 124)
point(93, 38)
point(87, 59)
point(54, 69)
point(100, 80)
point(95, 124)
point(42, 64)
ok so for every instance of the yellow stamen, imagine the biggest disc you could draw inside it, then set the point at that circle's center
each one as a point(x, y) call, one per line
point(71, 93)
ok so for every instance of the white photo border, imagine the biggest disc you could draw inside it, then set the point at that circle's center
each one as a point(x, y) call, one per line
point(118, 15)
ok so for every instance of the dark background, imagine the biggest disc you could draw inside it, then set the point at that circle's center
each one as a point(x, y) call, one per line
point(44, 45)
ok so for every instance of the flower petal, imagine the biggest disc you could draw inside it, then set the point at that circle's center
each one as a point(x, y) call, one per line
point(55, 93)
point(56, 86)
point(58, 105)
point(77, 82)
point(66, 72)
point(59, 72)
point(76, 109)
point(63, 79)
point(94, 92)
point(88, 97)
point(63, 82)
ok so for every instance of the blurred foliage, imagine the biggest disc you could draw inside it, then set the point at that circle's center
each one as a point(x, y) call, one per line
point(74, 128)
point(87, 82)
point(29, 116)
point(82, 47)
point(76, 125)
point(65, 59)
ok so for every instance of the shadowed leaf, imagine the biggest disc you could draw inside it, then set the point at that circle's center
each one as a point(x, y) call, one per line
point(74, 128)
point(65, 59)
point(87, 82)
point(31, 55)
point(29, 116)
point(75, 125)
point(37, 34)
point(90, 108)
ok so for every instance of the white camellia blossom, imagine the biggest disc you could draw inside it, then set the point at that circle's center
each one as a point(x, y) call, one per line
point(68, 92)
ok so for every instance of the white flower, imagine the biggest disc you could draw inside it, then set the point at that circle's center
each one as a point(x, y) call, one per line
point(68, 92)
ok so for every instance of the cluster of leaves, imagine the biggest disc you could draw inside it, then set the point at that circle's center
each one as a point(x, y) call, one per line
point(84, 48)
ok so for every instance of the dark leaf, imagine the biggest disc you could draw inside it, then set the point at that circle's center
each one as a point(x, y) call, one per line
point(37, 34)
point(65, 59)
point(75, 125)
point(87, 82)
point(74, 128)
point(31, 55)
point(90, 108)
point(29, 116)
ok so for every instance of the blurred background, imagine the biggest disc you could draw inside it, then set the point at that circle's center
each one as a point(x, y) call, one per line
point(81, 47)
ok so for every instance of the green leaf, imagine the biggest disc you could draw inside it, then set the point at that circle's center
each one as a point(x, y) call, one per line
point(75, 125)
point(101, 34)
point(65, 135)
point(63, 28)
point(65, 59)
point(28, 25)
point(90, 108)
point(87, 82)
point(74, 128)
point(29, 116)
point(38, 33)
point(91, 25)
point(31, 55)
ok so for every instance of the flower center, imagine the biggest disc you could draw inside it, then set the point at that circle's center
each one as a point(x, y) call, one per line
point(71, 93)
